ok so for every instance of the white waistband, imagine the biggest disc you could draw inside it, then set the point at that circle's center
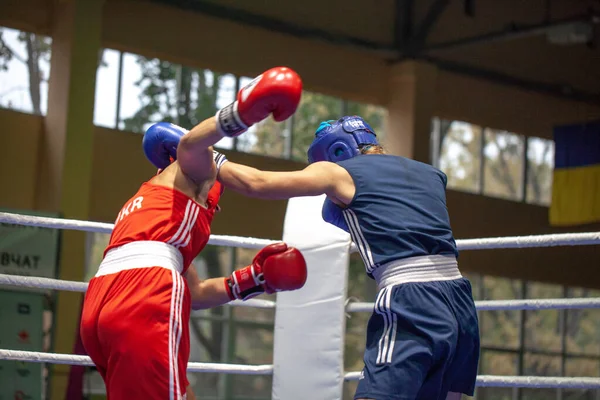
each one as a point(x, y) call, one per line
point(417, 269)
point(143, 254)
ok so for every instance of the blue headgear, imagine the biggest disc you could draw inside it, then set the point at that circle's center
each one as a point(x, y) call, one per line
point(339, 140)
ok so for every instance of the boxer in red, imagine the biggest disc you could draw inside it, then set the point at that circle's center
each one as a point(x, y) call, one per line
point(135, 317)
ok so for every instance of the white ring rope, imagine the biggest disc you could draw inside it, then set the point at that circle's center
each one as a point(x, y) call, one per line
point(100, 227)
point(526, 304)
point(557, 239)
point(72, 286)
point(521, 242)
point(70, 359)
point(488, 305)
point(537, 382)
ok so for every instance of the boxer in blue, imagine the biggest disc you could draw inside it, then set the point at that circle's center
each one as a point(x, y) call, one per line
point(423, 335)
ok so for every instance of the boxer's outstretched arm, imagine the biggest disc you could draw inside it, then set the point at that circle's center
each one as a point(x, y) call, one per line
point(274, 93)
point(275, 268)
point(194, 152)
point(208, 293)
point(316, 179)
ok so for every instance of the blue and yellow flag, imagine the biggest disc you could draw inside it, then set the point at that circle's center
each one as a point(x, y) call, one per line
point(576, 185)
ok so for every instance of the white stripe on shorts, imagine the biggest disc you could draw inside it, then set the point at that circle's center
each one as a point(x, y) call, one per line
point(390, 323)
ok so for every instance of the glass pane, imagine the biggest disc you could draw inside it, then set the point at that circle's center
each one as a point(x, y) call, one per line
point(107, 82)
point(500, 328)
point(582, 367)
point(503, 167)
point(541, 365)
point(536, 290)
point(542, 330)
point(460, 158)
point(157, 90)
point(539, 394)
point(583, 332)
point(540, 159)
point(476, 283)
point(141, 88)
point(24, 71)
point(580, 394)
point(314, 108)
point(492, 393)
point(583, 326)
point(497, 363)
point(543, 327)
point(374, 115)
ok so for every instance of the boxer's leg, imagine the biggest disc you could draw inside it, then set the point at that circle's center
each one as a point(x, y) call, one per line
point(143, 330)
point(88, 329)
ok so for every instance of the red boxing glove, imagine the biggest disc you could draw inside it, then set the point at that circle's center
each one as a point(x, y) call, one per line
point(276, 91)
point(275, 268)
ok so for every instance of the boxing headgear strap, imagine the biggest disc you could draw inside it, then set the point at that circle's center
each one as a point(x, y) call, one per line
point(339, 140)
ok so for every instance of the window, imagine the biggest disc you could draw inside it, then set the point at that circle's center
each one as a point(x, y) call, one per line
point(536, 342)
point(500, 329)
point(540, 166)
point(133, 92)
point(107, 87)
point(497, 163)
point(459, 154)
point(503, 164)
point(313, 109)
point(24, 71)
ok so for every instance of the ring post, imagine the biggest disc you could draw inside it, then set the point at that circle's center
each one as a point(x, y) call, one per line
point(308, 354)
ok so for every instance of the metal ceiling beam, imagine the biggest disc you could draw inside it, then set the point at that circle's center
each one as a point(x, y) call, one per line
point(511, 33)
point(403, 23)
point(274, 25)
point(433, 15)
point(556, 90)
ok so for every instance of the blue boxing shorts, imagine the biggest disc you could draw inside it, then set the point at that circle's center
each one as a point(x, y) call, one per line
point(422, 342)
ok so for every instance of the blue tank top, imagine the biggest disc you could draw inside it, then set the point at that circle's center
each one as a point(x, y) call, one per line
point(399, 209)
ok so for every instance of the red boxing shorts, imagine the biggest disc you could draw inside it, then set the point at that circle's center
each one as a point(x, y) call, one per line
point(135, 322)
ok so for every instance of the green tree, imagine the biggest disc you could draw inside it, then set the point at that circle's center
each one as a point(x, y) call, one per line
point(37, 51)
point(173, 93)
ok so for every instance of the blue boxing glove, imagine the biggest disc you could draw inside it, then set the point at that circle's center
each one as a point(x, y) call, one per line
point(160, 143)
point(333, 214)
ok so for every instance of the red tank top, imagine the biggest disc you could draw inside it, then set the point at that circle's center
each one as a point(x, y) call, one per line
point(162, 214)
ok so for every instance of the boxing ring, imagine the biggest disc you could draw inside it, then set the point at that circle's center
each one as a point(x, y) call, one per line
point(309, 363)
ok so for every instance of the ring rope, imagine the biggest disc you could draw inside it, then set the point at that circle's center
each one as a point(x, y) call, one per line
point(101, 227)
point(537, 382)
point(71, 359)
point(524, 304)
point(72, 286)
point(522, 242)
point(487, 305)
point(550, 240)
